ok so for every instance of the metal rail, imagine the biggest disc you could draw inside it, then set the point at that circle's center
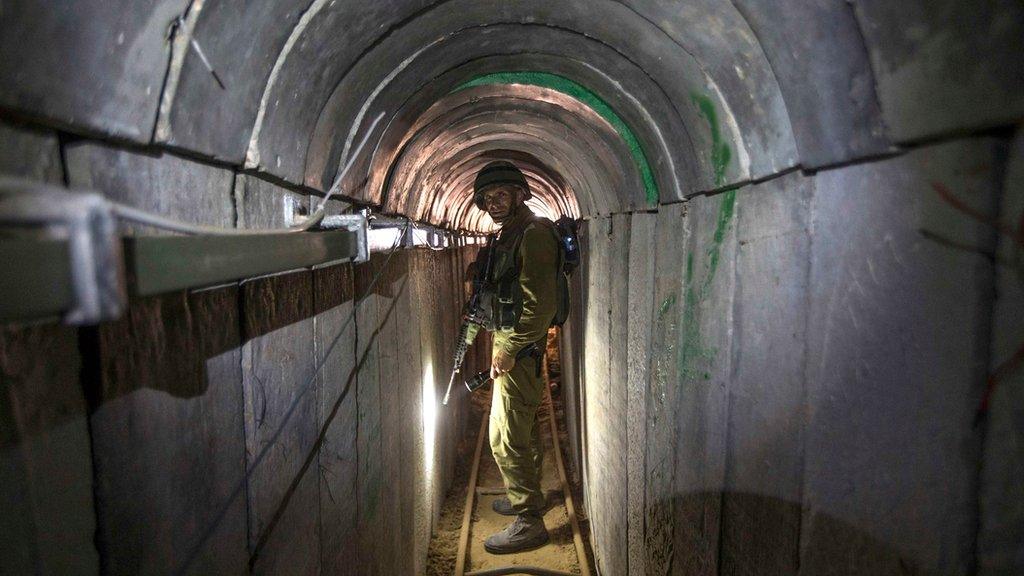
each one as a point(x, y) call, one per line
point(529, 570)
point(467, 512)
point(39, 282)
point(166, 263)
point(472, 491)
point(65, 257)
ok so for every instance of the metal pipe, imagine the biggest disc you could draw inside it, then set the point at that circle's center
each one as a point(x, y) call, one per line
point(69, 261)
point(167, 263)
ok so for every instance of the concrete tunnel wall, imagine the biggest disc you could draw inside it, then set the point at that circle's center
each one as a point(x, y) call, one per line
point(782, 330)
point(186, 437)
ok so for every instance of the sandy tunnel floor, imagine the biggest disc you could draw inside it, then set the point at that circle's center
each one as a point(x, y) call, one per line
point(558, 554)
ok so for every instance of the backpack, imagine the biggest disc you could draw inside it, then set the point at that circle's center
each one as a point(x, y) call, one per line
point(569, 243)
point(569, 255)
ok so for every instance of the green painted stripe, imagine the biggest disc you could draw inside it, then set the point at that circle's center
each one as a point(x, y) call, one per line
point(721, 154)
point(593, 101)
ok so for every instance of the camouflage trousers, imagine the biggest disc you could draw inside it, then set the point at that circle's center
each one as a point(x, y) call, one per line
point(515, 434)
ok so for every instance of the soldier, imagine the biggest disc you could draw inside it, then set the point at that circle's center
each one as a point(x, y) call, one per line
point(522, 292)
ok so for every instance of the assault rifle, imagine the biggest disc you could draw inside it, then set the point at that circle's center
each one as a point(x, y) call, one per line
point(471, 323)
point(472, 317)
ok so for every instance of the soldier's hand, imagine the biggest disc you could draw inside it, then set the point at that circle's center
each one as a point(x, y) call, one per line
point(501, 363)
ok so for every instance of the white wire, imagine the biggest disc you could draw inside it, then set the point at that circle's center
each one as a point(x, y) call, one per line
point(143, 217)
point(156, 221)
point(336, 185)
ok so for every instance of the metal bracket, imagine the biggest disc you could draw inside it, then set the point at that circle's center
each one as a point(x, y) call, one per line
point(82, 226)
point(353, 223)
point(417, 234)
point(378, 222)
point(436, 238)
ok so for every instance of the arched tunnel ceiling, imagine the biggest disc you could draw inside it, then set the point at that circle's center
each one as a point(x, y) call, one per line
point(608, 37)
point(664, 144)
point(577, 160)
point(716, 91)
point(438, 40)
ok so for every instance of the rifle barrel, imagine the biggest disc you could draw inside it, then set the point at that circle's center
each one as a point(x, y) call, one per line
point(448, 392)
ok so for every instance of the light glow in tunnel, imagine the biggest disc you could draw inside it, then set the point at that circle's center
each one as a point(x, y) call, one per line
point(575, 159)
point(429, 420)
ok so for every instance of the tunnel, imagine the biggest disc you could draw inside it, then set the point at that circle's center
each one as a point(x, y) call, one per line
point(794, 344)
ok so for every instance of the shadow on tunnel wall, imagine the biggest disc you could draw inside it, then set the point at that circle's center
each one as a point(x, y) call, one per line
point(166, 342)
point(191, 348)
point(265, 318)
point(162, 343)
point(178, 463)
point(693, 543)
point(45, 464)
point(168, 451)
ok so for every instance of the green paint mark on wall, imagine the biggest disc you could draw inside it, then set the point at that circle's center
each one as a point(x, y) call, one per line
point(725, 213)
point(692, 348)
point(584, 95)
point(665, 305)
point(721, 154)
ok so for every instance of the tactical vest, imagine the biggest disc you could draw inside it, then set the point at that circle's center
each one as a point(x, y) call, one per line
point(500, 297)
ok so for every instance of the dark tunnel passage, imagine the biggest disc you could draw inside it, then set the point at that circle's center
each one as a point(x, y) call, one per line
point(795, 339)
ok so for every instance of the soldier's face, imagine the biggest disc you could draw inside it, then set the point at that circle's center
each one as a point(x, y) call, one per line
point(500, 201)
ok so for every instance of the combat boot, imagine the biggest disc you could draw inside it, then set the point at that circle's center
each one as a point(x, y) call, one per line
point(504, 507)
point(526, 532)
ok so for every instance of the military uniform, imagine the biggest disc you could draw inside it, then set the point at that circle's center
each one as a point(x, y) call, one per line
point(514, 431)
point(518, 294)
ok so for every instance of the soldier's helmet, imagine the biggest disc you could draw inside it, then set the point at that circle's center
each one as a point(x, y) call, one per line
point(498, 172)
